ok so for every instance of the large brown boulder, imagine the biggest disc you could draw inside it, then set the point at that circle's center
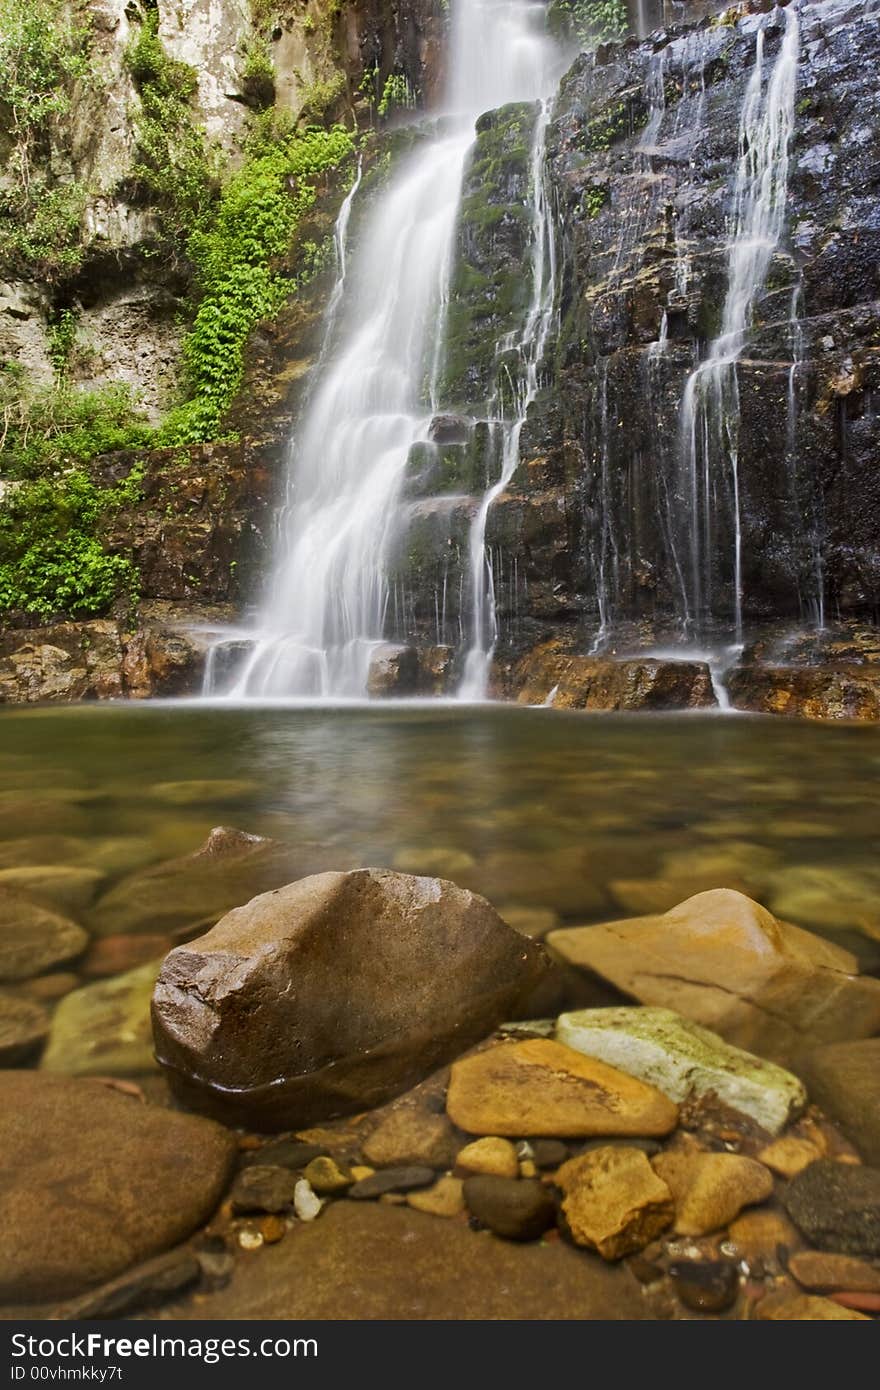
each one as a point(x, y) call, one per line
point(93, 1181)
point(725, 962)
point(333, 994)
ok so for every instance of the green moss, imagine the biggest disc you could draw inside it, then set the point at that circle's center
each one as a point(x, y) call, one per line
point(489, 292)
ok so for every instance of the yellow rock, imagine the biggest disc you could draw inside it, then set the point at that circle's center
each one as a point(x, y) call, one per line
point(788, 1155)
point(361, 1170)
point(540, 1087)
point(710, 1189)
point(614, 1201)
point(443, 1199)
point(491, 1155)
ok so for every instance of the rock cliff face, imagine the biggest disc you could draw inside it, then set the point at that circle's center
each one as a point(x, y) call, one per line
point(606, 536)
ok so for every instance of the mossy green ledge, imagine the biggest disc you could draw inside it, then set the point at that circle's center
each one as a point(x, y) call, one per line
point(683, 1059)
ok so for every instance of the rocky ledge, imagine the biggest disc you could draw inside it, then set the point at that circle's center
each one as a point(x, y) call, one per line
point(701, 1148)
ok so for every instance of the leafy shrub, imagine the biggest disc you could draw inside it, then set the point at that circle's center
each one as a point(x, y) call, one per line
point(235, 260)
point(51, 560)
point(172, 164)
point(588, 22)
point(43, 53)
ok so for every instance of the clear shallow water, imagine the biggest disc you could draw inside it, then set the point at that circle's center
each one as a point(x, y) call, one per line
point(587, 817)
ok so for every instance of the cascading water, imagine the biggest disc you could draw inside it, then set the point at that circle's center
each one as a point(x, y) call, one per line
point(326, 611)
point(710, 404)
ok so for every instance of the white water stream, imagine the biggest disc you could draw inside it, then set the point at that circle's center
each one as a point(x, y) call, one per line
point(710, 405)
point(326, 610)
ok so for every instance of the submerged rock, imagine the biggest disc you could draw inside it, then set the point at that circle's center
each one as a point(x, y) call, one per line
point(844, 1079)
point(67, 886)
point(33, 938)
point(682, 1059)
point(93, 1181)
point(837, 1206)
point(247, 1018)
point(540, 1087)
point(725, 962)
point(366, 1260)
point(711, 1189)
point(24, 1027)
point(104, 1028)
point(227, 869)
point(517, 1209)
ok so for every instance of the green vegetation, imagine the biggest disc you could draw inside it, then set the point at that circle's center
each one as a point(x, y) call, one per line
point(397, 95)
point(588, 22)
point(43, 51)
point(235, 260)
point(595, 199)
point(232, 240)
point(172, 166)
point(51, 557)
point(51, 560)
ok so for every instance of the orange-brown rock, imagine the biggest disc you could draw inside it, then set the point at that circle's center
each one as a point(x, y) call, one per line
point(710, 1189)
point(614, 1201)
point(725, 962)
point(825, 1272)
point(540, 1087)
point(801, 1307)
point(600, 683)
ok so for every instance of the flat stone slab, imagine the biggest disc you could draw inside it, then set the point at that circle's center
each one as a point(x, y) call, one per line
point(93, 1181)
point(683, 1059)
point(366, 1260)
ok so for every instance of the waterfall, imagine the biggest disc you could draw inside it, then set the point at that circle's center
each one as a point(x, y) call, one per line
point(709, 424)
point(529, 346)
point(374, 391)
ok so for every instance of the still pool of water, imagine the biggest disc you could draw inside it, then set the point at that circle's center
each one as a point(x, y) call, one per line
point(552, 815)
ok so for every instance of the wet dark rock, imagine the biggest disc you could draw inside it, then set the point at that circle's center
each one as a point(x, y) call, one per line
point(295, 1154)
point(844, 1080)
point(548, 1153)
point(246, 1018)
point(515, 1208)
point(94, 1181)
point(394, 670)
point(261, 1187)
point(406, 1179)
point(706, 1286)
point(837, 1206)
